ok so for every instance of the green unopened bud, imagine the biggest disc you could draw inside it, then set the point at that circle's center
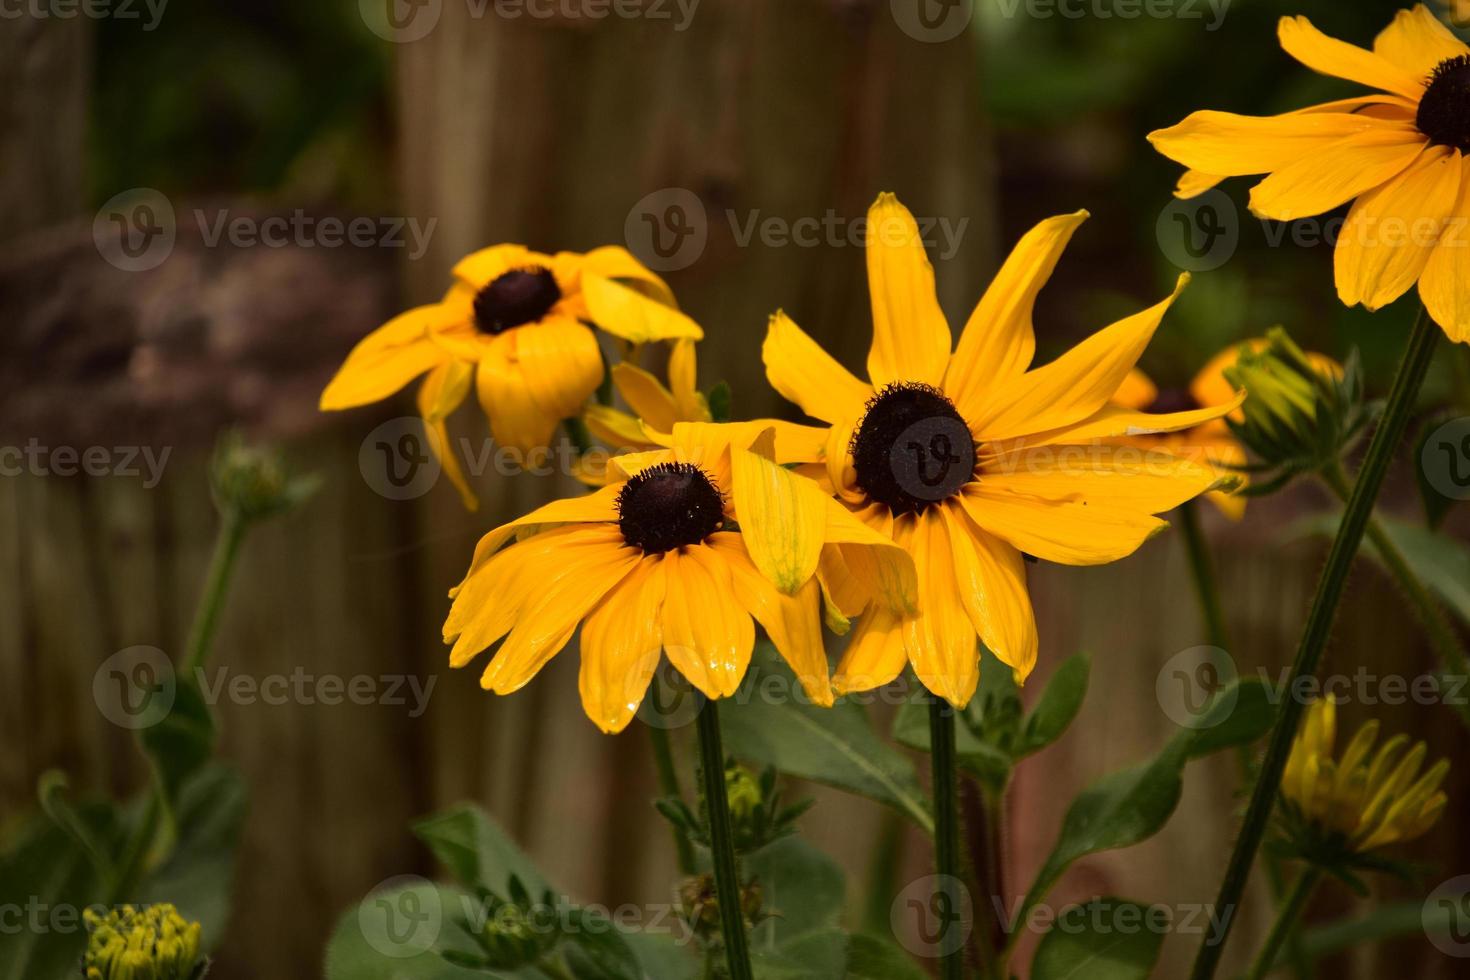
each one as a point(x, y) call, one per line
point(251, 482)
point(742, 791)
point(511, 939)
point(150, 943)
point(1302, 411)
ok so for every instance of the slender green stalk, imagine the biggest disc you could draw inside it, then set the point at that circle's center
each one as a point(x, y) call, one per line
point(946, 824)
point(722, 845)
point(216, 586)
point(883, 872)
point(1286, 920)
point(1202, 567)
point(1431, 614)
point(1359, 509)
point(668, 780)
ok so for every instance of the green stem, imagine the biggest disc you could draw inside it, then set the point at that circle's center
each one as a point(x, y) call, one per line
point(722, 845)
point(883, 872)
point(668, 781)
point(1431, 614)
point(216, 586)
point(1206, 588)
point(946, 824)
point(1390, 431)
point(1286, 920)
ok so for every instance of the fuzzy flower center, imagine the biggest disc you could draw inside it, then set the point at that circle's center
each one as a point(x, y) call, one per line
point(514, 298)
point(669, 506)
point(912, 449)
point(1444, 111)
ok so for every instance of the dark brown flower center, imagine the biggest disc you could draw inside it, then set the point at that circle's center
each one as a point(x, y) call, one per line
point(1172, 400)
point(1444, 111)
point(912, 448)
point(669, 506)
point(514, 298)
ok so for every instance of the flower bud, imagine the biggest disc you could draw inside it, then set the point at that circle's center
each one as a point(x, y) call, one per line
point(150, 943)
point(251, 482)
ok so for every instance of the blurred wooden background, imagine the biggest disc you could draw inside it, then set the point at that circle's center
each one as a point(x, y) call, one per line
point(546, 133)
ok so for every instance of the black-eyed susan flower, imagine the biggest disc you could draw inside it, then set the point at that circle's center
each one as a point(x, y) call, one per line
point(651, 563)
point(1364, 799)
point(1398, 154)
point(151, 942)
point(970, 461)
point(516, 327)
point(652, 404)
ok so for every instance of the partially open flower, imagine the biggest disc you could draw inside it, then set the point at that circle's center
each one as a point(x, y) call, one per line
point(152, 942)
point(654, 406)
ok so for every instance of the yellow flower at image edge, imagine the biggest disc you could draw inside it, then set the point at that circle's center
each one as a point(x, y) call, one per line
point(646, 566)
point(1365, 799)
point(970, 461)
point(1398, 154)
point(516, 327)
point(141, 943)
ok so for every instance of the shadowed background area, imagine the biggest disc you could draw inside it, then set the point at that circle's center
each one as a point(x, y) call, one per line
point(770, 125)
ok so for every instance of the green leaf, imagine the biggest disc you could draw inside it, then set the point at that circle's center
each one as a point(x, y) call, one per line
point(816, 955)
point(1441, 562)
point(1436, 505)
point(1059, 704)
point(49, 877)
point(877, 958)
point(596, 950)
point(399, 933)
point(1241, 713)
point(720, 402)
point(182, 743)
point(665, 955)
point(836, 746)
point(1106, 939)
point(802, 888)
point(1383, 922)
point(476, 850)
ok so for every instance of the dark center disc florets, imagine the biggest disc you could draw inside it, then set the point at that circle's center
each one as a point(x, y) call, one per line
point(669, 506)
point(912, 449)
point(514, 298)
point(1444, 110)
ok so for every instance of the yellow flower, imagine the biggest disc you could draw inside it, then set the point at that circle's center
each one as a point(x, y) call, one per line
point(653, 405)
point(1365, 799)
point(969, 460)
point(516, 326)
point(647, 564)
point(1458, 11)
point(1398, 154)
point(152, 942)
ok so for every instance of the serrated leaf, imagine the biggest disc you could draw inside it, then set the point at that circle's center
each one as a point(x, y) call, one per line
point(476, 850)
point(1094, 942)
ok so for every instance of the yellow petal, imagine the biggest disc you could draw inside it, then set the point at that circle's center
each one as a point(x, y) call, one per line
point(877, 563)
point(793, 622)
point(621, 644)
point(1112, 422)
point(939, 637)
point(1342, 60)
point(1336, 174)
point(1137, 391)
point(992, 586)
point(616, 262)
point(782, 519)
point(1416, 42)
point(387, 359)
point(1193, 183)
point(874, 656)
point(1390, 232)
point(443, 390)
point(478, 269)
point(808, 376)
point(624, 312)
point(911, 339)
point(646, 396)
point(708, 637)
point(999, 341)
point(689, 404)
point(1445, 284)
point(533, 377)
point(1096, 476)
point(600, 507)
point(490, 599)
point(614, 427)
point(1076, 385)
point(1232, 145)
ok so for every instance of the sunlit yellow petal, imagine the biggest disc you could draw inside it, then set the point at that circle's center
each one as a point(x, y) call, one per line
point(625, 312)
point(875, 654)
point(939, 637)
point(808, 376)
point(1232, 145)
point(646, 396)
point(782, 519)
point(1335, 174)
point(708, 637)
point(1338, 58)
point(1416, 42)
point(1445, 284)
point(1137, 391)
point(911, 339)
point(443, 390)
point(991, 576)
point(478, 269)
point(616, 262)
point(621, 643)
point(387, 359)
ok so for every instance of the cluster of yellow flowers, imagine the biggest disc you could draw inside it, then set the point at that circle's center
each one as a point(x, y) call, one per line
point(153, 942)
